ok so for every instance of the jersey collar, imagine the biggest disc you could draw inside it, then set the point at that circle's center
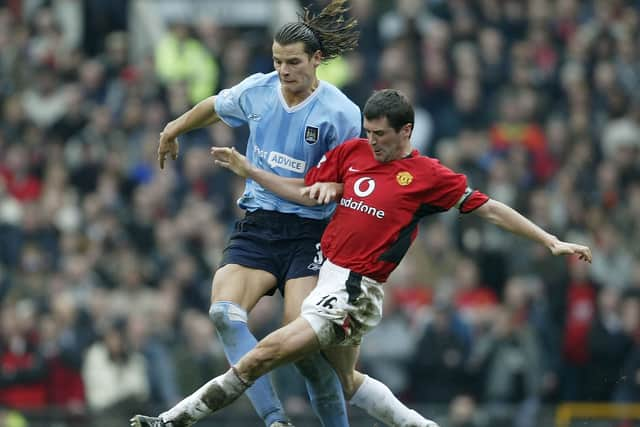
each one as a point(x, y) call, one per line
point(300, 106)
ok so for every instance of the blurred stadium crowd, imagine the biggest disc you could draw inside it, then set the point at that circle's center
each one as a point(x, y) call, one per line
point(106, 261)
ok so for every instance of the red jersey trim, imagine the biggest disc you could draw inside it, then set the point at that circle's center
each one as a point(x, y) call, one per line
point(473, 202)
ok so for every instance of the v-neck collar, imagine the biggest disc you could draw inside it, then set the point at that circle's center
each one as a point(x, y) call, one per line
point(297, 107)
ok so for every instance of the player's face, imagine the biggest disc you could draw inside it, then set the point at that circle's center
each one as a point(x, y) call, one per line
point(386, 143)
point(297, 71)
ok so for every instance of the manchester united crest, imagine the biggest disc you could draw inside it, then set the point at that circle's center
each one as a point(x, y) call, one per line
point(404, 178)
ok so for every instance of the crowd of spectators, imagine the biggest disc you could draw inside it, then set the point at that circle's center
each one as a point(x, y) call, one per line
point(106, 261)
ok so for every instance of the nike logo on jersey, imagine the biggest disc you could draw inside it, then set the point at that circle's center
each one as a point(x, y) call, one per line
point(351, 169)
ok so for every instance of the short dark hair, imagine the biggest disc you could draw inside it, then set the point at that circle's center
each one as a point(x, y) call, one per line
point(393, 105)
point(329, 31)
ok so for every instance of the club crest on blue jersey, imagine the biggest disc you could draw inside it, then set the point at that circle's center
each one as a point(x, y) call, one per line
point(311, 134)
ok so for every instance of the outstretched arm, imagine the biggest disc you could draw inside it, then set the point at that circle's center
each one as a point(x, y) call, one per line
point(201, 115)
point(292, 189)
point(509, 219)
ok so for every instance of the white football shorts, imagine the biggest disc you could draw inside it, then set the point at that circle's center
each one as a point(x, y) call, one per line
point(343, 306)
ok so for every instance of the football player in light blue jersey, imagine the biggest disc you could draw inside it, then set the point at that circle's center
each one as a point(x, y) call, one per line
point(286, 139)
point(293, 118)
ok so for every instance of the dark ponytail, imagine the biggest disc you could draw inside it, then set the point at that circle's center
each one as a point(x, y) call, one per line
point(329, 31)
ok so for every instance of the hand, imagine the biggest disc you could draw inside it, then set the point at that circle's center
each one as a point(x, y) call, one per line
point(230, 159)
point(167, 145)
point(559, 247)
point(323, 192)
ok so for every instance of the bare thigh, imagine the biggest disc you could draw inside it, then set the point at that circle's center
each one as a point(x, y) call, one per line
point(241, 285)
point(344, 359)
point(295, 291)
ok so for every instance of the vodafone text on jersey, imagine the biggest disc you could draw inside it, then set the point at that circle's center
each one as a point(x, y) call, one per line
point(363, 187)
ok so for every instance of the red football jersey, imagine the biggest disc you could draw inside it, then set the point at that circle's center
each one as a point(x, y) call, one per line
point(377, 218)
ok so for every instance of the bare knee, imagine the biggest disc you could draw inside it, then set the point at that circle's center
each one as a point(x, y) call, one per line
point(223, 313)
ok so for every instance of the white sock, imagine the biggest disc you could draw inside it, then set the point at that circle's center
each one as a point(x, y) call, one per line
point(378, 401)
point(216, 394)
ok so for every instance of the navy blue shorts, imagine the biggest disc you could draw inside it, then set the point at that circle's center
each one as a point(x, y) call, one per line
point(285, 245)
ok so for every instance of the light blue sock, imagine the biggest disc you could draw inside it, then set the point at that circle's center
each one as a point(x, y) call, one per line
point(325, 390)
point(231, 323)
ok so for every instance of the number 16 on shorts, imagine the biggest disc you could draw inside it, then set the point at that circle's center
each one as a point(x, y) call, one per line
point(327, 301)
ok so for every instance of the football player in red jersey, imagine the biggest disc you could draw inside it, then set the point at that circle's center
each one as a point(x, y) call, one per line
point(383, 187)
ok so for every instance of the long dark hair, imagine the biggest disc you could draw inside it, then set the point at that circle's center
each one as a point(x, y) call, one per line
point(329, 31)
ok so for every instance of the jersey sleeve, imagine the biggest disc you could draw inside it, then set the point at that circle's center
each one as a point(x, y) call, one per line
point(471, 200)
point(450, 190)
point(329, 168)
point(349, 126)
point(228, 102)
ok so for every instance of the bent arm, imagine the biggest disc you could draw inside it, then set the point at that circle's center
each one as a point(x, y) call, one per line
point(201, 115)
point(511, 220)
point(292, 189)
point(287, 188)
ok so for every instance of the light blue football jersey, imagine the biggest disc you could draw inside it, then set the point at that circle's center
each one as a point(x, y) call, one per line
point(285, 140)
